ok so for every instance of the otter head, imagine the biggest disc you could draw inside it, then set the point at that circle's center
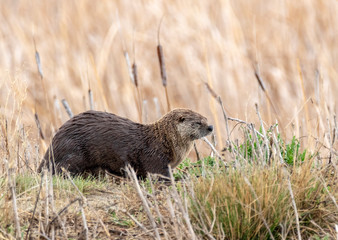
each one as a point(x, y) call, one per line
point(190, 125)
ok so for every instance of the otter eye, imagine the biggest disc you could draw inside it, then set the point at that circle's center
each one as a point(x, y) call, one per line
point(198, 123)
point(181, 119)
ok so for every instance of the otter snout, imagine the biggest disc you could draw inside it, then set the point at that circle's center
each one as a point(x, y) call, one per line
point(210, 128)
point(206, 130)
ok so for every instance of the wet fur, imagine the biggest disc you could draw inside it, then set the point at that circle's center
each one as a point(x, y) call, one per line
point(99, 140)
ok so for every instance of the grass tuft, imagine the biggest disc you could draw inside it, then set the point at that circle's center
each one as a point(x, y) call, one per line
point(226, 206)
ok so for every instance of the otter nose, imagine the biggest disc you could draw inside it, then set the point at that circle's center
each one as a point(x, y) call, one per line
point(210, 128)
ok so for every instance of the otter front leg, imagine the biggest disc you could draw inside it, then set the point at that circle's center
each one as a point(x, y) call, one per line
point(165, 172)
point(155, 164)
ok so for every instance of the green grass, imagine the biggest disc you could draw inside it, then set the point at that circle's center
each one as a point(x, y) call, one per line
point(250, 148)
point(291, 152)
point(198, 168)
point(121, 221)
point(83, 184)
point(27, 182)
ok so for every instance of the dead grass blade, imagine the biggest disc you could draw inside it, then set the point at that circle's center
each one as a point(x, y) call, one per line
point(11, 186)
point(295, 209)
point(132, 174)
point(35, 206)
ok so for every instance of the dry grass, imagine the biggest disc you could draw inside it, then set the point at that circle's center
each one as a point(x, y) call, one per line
point(249, 202)
point(82, 45)
point(280, 55)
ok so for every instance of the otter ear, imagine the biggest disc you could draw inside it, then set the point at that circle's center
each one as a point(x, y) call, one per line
point(181, 119)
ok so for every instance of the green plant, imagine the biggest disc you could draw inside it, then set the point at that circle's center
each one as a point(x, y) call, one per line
point(84, 184)
point(26, 183)
point(124, 222)
point(199, 168)
point(251, 146)
point(291, 152)
point(316, 237)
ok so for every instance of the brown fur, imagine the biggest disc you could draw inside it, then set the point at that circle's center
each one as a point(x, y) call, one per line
point(98, 140)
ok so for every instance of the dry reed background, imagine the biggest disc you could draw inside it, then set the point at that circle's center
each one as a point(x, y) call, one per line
point(292, 45)
point(81, 44)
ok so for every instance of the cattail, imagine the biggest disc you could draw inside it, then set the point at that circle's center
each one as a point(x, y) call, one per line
point(38, 63)
point(135, 74)
point(37, 121)
point(211, 91)
point(162, 65)
point(91, 102)
point(66, 106)
point(163, 73)
point(130, 71)
point(138, 100)
point(260, 81)
point(37, 59)
point(262, 85)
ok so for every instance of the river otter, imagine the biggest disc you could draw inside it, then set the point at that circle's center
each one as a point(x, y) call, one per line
point(100, 140)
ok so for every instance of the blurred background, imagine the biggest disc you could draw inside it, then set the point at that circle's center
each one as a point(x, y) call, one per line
point(292, 46)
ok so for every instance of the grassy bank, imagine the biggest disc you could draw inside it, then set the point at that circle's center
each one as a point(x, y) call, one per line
point(245, 194)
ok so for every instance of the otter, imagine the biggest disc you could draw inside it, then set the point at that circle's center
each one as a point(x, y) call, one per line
point(100, 140)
